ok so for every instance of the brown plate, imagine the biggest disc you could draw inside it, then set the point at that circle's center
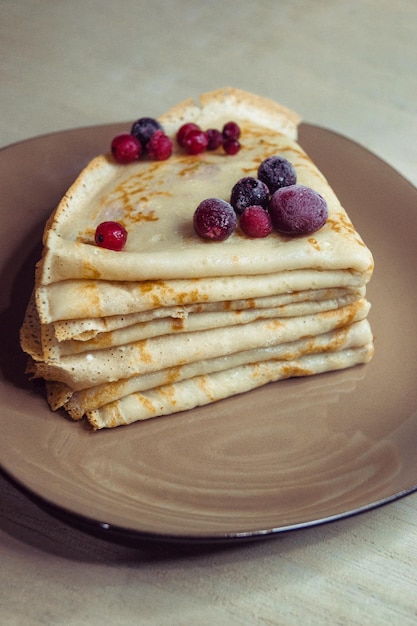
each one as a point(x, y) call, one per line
point(288, 455)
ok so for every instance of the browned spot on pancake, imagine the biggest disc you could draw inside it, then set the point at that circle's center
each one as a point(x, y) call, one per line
point(173, 374)
point(190, 167)
point(204, 385)
point(274, 325)
point(146, 403)
point(143, 217)
point(144, 355)
point(148, 285)
point(91, 299)
point(337, 342)
point(168, 392)
point(341, 224)
point(190, 297)
point(313, 242)
point(104, 394)
point(120, 195)
point(349, 313)
point(292, 370)
point(177, 324)
point(88, 270)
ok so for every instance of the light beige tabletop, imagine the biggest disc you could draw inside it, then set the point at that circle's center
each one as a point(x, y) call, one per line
point(347, 66)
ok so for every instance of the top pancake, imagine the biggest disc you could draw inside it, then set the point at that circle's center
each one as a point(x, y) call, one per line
point(155, 201)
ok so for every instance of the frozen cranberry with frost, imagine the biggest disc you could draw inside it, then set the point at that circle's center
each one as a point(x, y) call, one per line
point(195, 141)
point(231, 146)
point(159, 146)
point(125, 148)
point(297, 210)
point(249, 191)
point(184, 130)
point(231, 130)
point(214, 219)
point(144, 128)
point(276, 172)
point(215, 139)
point(111, 235)
point(255, 222)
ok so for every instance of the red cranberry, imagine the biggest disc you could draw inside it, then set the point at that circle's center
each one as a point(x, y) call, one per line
point(255, 222)
point(184, 130)
point(126, 148)
point(231, 146)
point(159, 146)
point(214, 219)
point(195, 141)
point(231, 130)
point(111, 235)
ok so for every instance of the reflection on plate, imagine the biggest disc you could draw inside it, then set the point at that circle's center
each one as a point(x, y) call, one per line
point(288, 455)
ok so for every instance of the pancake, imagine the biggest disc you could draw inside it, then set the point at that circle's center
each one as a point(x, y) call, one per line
point(355, 336)
point(172, 321)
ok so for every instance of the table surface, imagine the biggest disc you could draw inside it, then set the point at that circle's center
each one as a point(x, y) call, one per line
point(347, 66)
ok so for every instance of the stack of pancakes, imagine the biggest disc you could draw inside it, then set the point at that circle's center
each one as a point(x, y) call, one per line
point(172, 321)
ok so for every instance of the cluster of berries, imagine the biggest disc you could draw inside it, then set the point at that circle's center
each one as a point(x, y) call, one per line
point(272, 200)
point(147, 136)
point(195, 140)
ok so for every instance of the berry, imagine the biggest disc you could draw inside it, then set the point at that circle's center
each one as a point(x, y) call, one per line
point(255, 222)
point(214, 219)
point(195, 141)
point(159, 146)
point(248, 191)
point(126, 148)
point(231, 146)
point(231, 130)
point(184, 130)
point(215, 139)
point(144, 128)
point(111, 235)
point(277, 172)
point(297, 210)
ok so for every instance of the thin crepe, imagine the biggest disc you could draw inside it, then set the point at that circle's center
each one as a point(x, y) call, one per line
point(201, 390)
point(77, 403)
point(155, 202)
point(150, 355)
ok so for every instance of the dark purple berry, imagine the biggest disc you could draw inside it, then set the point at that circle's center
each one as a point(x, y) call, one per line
point(249, 191)
point(144, 128)
point(297, 210)
point(125, 148)
point(214, 219)
point(231, 130)
point(255, 222)
point(215, 139)
point(195, 141)
point(277, 172)
point(159, 146)
point(231, 146)
point(111, 235)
